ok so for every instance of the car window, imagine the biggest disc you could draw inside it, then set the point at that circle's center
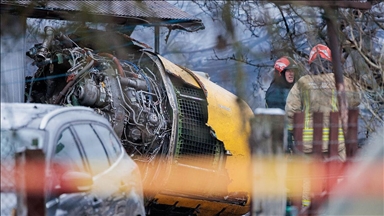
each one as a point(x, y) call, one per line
point(93, 148)
point(67, 155)
point(111, 144)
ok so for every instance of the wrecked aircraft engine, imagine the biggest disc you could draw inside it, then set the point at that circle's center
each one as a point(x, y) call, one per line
point(188, 135)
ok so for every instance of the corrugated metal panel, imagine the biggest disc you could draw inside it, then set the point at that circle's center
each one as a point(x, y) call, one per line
point(140, 9)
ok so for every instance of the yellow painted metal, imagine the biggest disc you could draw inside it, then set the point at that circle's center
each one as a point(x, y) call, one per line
point(229, 117)
point(177, 71)
point(206, 208)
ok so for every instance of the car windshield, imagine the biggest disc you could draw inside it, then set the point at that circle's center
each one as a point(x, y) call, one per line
point(13, 141)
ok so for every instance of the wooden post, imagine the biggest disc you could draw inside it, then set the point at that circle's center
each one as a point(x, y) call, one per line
point(31, 165)
point(298, 126)
point(351, 139)
point(317, 143)
point(268, 135)
point(333, 161)
point(333, 145)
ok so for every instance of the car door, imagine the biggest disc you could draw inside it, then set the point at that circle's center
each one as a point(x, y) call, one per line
point(125, 171)
point(116, 190)
point(109, 198)
point(98, 162)
point(66, 158)
point(117, 185)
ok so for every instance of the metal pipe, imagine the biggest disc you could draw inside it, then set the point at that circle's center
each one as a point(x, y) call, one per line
point(70, 83)
point(116, 61)
point(136, 83)
point(49, 35)
point(127, 105)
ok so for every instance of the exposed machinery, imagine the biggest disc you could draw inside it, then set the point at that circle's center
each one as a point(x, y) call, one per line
point(188, 135)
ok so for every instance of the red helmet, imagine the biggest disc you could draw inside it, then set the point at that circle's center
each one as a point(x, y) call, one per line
point(283, 63)
point(321, 50)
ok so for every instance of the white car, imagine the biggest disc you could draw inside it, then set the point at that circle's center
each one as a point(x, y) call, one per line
point(83, 167)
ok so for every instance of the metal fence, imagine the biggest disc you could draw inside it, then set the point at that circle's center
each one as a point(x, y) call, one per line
point(8, 189)
point(281, 180)
point(324, 173)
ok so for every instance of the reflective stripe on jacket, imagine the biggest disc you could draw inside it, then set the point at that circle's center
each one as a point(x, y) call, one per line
point(317, 93)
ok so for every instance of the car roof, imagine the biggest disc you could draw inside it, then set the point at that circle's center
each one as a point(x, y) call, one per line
point(32, 115)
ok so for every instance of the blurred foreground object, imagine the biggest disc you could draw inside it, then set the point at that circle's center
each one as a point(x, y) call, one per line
point(267, 143)
point(322, 177)
point(363, 192)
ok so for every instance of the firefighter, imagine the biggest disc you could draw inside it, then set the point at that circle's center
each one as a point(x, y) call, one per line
point(283, 80)
point(316, 92)
point(285, 73)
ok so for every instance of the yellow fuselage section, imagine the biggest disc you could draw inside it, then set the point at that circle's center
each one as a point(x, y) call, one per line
point(228, 116)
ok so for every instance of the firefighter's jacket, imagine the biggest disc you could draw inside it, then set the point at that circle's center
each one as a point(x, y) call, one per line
point(317, 93)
